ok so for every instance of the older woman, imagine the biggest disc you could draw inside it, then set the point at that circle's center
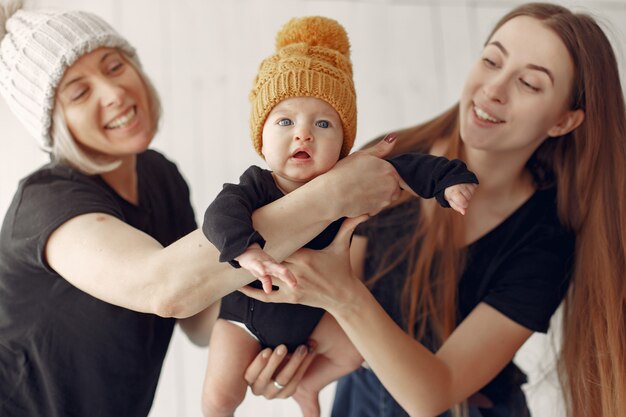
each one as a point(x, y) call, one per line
point(98, 250)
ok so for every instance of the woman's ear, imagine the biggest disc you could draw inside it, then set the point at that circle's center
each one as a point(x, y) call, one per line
point(570, 121)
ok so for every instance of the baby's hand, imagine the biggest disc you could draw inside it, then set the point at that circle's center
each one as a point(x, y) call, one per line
point(264, 267)
point(459, 195)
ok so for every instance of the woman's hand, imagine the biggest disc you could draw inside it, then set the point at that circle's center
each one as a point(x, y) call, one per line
point(325, 278)
point(276, 374)
point(363, 182)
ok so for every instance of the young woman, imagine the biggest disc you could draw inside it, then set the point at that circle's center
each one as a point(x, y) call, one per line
point(541, 121)
point(98, 250)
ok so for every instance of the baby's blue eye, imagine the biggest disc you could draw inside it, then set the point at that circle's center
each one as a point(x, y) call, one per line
point(323, 124)
point(285, 122)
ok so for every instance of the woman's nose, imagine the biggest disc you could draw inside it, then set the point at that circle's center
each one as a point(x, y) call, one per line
point(496, 89)
point(112, 94)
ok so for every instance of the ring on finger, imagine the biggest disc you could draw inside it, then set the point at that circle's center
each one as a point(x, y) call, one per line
point(278, 385)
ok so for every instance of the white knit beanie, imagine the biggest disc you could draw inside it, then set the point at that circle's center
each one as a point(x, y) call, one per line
point(36, 47)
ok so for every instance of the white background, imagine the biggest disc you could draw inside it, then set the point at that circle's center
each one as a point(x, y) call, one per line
point(410, 58)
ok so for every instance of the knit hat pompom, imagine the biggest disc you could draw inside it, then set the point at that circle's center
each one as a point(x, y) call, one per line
point(312, 59)
point(8, 9)
point(314, 31)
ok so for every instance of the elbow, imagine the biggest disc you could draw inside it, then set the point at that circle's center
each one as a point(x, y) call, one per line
point(169, 302)
point(173, 307)
point(167, 307)
point(422, 411)
point(163, 292)
point(176, 303)
point(437, 399)
point(163, 300)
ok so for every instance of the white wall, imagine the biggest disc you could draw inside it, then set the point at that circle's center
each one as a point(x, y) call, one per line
point(410, 57)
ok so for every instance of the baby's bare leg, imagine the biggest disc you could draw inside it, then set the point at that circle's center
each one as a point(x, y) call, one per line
point(230, 353)
point(336, 357)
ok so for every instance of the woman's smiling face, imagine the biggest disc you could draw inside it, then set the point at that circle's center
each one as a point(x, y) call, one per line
point(106, 104)
point(517, 93)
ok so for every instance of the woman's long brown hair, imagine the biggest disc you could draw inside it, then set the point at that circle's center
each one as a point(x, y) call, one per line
point(588, 166)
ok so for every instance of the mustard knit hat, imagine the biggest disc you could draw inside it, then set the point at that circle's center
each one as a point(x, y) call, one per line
point(36, 47)
point(312, 59)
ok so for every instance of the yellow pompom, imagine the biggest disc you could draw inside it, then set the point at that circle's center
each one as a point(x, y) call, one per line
point(314, 31)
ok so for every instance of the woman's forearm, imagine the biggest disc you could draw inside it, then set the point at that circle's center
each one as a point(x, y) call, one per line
point(189, 276)
point(361, 183)
point(426, 384)
point(290, 222)
point(411, 373)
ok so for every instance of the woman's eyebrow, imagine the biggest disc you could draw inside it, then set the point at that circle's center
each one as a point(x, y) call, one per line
point(70, 82)
point(529, 66)
point(73, 80)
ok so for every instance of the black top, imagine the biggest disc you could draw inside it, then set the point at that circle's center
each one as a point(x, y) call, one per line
point(228, 225)
point(521, 268)
point(228, 219)
point(63, 352)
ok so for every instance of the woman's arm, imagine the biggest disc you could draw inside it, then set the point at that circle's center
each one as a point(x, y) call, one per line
point(121, 265)
point(114, 262)
point(360, 183)
point(424, 384)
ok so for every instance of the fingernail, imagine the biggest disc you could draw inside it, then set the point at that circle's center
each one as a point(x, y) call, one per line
point(390, 137)
point(301, 350)
point(266, 354)
point(281, 350)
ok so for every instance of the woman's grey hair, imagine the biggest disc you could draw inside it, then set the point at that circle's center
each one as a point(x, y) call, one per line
point(66, 150)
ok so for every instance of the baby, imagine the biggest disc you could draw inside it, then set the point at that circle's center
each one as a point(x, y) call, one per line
point(303, 121)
